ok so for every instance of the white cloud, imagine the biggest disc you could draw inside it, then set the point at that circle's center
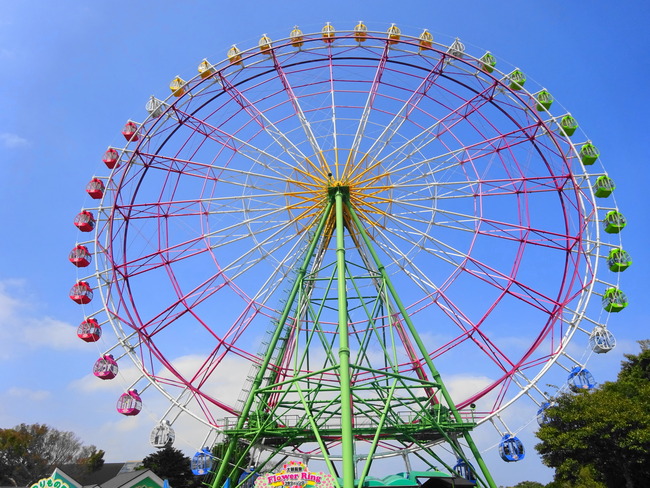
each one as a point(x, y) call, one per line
point(20, 331)
point(27, 394)
point(12, 140)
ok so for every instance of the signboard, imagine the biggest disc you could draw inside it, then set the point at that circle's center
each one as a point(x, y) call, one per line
point(50, 483)
point(295, 474)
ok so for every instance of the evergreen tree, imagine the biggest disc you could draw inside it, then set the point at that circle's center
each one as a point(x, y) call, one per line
point(171, 464)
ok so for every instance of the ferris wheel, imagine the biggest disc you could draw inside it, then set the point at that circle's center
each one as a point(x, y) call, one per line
point(350, 245)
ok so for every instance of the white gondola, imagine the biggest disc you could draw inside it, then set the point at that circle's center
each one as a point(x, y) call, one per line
point(162, 435)
point(601, 340)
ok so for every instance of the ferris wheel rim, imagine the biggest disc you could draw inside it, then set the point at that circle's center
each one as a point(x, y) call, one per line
point(570, 331)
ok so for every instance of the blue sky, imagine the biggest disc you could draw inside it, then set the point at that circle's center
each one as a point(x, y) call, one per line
point(73, 72)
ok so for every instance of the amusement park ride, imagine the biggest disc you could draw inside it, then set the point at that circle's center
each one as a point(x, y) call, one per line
point(359, 220)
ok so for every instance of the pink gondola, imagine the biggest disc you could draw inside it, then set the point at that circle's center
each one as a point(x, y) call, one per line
point(105, 367)
point(129, 403)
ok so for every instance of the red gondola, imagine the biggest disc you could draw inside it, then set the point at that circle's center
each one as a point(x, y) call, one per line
point(130, 131)
point(111, 157)
point(89, 330)
point(85, 221)
point(105, 367)
point(81, 292)
point(95, 188)
point(80, 256)
point(129, 403)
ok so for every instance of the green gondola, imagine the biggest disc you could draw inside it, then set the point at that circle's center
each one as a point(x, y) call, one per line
point(589, 154)
point(604, 186)
point(568, 125)
point(488, 62)
point(544, 100)
point(618, 260)
point(614, 222)
point(614, 300)
point(517, 79)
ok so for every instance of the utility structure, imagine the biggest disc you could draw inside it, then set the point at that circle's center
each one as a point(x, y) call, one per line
point(376, 384)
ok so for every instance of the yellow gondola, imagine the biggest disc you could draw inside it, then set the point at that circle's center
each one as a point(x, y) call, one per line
point(177, 86)
point(265, 44)
point(426, 40)
point(360, 32)
point(205, 69)
point(234, 55)
point(296, 37)
point(328, 33)
point(393, 34)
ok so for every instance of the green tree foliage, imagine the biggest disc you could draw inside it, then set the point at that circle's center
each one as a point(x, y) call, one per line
point(528, 484)
point(171, 464)
point(94, 460)
point(29, 452)
point(603, 435)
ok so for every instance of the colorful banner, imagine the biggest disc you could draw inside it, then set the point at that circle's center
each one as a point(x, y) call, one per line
point(295, 474)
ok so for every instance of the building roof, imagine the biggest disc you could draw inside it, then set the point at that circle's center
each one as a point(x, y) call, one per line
point(130, 478)
point(82, 477)
point(110, 475)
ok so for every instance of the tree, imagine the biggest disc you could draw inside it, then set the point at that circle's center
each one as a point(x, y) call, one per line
point(171, 464)
point(94, 460)
point(28, 452)
point(603, 435)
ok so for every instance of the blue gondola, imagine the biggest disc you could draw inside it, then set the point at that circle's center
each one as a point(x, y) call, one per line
point(249, 473)
point(542, 413)
point(464, 470)
point(580, 379)
point(202, 462)
point(511, 449)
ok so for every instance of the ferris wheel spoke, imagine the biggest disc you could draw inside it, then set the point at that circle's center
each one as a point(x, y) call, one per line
point(434, 131)
point(473, 333)
point(174, 253)
point(264, 248)
point(279, 228)
point(485, 189)
point(229, 173)
point(245, 148)
point(318, 153)
point(504, 282)
point(401, 115)
point(365, 115)
point(187, 301)
point(333, 106)
point(504, 230)
point(453, 158)
point(277, 135)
